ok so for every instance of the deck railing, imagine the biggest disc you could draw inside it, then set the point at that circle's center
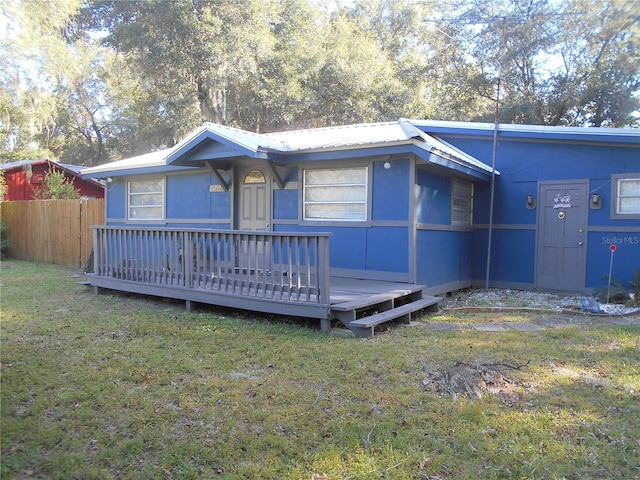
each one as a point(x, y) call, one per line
point(292, 267)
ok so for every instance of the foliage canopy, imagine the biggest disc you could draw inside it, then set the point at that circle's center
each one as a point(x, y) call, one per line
point(88, 82)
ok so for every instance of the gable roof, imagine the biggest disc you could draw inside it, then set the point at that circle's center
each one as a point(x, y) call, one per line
point(72, 171)
point(213, 142)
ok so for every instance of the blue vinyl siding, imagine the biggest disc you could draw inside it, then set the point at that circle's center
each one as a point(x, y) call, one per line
point(433, 199)
point(390, 191)
point(626, 258)
point(285, 204)
point(387, 249)
point(188, 196)
point(116, 198)
point(443, 257)
point(383, 249)
point(508, 262)
point(522, 164)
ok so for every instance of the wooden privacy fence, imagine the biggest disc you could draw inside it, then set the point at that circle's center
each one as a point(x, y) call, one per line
point(52, 231)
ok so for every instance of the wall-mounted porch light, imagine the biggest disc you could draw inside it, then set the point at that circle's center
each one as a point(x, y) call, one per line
point(596, 202)
point(531, 202)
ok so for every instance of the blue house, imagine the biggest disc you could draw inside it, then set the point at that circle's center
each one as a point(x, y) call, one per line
point(366, 223)
point(566, 206)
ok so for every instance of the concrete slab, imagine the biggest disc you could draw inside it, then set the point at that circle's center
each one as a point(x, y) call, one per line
point(523, 326)
point(487, 327)
point(444, 327)
point(554, 323)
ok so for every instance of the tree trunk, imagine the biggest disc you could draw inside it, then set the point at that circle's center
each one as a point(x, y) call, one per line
point(213, 103)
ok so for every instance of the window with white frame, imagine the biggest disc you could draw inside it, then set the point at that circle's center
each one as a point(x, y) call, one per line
point(626, 194)
point(335, 194)
point(145, 199)
point(461, 203)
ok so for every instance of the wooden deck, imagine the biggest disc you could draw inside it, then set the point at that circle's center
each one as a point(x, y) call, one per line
point(267, 272)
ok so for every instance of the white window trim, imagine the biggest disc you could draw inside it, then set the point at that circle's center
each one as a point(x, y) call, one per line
point(163, 205)
point(341, 220)
point(616, 179)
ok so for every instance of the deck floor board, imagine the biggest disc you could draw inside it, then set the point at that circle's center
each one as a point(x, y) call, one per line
point(345, 290)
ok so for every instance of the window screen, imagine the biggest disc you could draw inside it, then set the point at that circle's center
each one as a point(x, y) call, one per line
point(336, 194)
point(628, 196)
point(146, 200)
point(461, 203)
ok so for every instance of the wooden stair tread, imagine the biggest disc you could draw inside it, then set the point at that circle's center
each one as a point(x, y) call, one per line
point(371, 300)
point(373, 320)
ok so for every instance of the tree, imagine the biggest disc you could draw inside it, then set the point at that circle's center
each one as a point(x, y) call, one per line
point(428, 57)
point(56, 186)
point(90, 81)
point(603, 67)
point(53, 84)
point(567, 63)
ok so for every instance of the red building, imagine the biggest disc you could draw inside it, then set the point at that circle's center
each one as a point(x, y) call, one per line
point(23, 178)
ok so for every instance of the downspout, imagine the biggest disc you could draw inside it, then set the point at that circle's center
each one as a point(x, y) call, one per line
point(493, 184)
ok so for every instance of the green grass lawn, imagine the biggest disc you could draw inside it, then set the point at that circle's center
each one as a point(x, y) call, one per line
point(123, 387)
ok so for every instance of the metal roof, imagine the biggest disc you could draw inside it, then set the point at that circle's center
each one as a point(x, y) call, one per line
point(330, 139)
point(21, 163)
point(340, 137)
point(585, 134)
point(152, 159)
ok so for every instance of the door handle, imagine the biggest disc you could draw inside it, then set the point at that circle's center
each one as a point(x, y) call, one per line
point(580, 243)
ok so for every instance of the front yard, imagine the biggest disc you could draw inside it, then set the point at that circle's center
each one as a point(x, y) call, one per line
point(125, 387)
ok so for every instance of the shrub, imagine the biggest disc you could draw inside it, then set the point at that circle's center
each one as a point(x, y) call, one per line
point(5, 241)
point(615, 290)
point(56, 186)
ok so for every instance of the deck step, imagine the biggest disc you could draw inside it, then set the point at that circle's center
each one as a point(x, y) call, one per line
point(365, 301)
point(364, 326)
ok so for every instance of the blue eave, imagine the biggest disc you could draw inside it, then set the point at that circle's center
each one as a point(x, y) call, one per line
point(142, 170)
point(182, 156)
point(402, 149)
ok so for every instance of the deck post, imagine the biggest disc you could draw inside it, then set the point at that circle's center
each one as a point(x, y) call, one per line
point(97, 251)
point(187, 259)
point(325, 325)
point(324, 282)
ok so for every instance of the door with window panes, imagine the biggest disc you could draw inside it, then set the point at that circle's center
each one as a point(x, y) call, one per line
point(253, 213)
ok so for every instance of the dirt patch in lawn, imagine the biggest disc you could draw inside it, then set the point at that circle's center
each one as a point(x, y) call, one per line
point(473, 380)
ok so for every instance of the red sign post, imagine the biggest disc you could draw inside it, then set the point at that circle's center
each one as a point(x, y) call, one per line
point(613, 249)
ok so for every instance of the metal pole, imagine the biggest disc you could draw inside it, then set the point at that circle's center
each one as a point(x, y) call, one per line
point(610, 270)
point(493, 184)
